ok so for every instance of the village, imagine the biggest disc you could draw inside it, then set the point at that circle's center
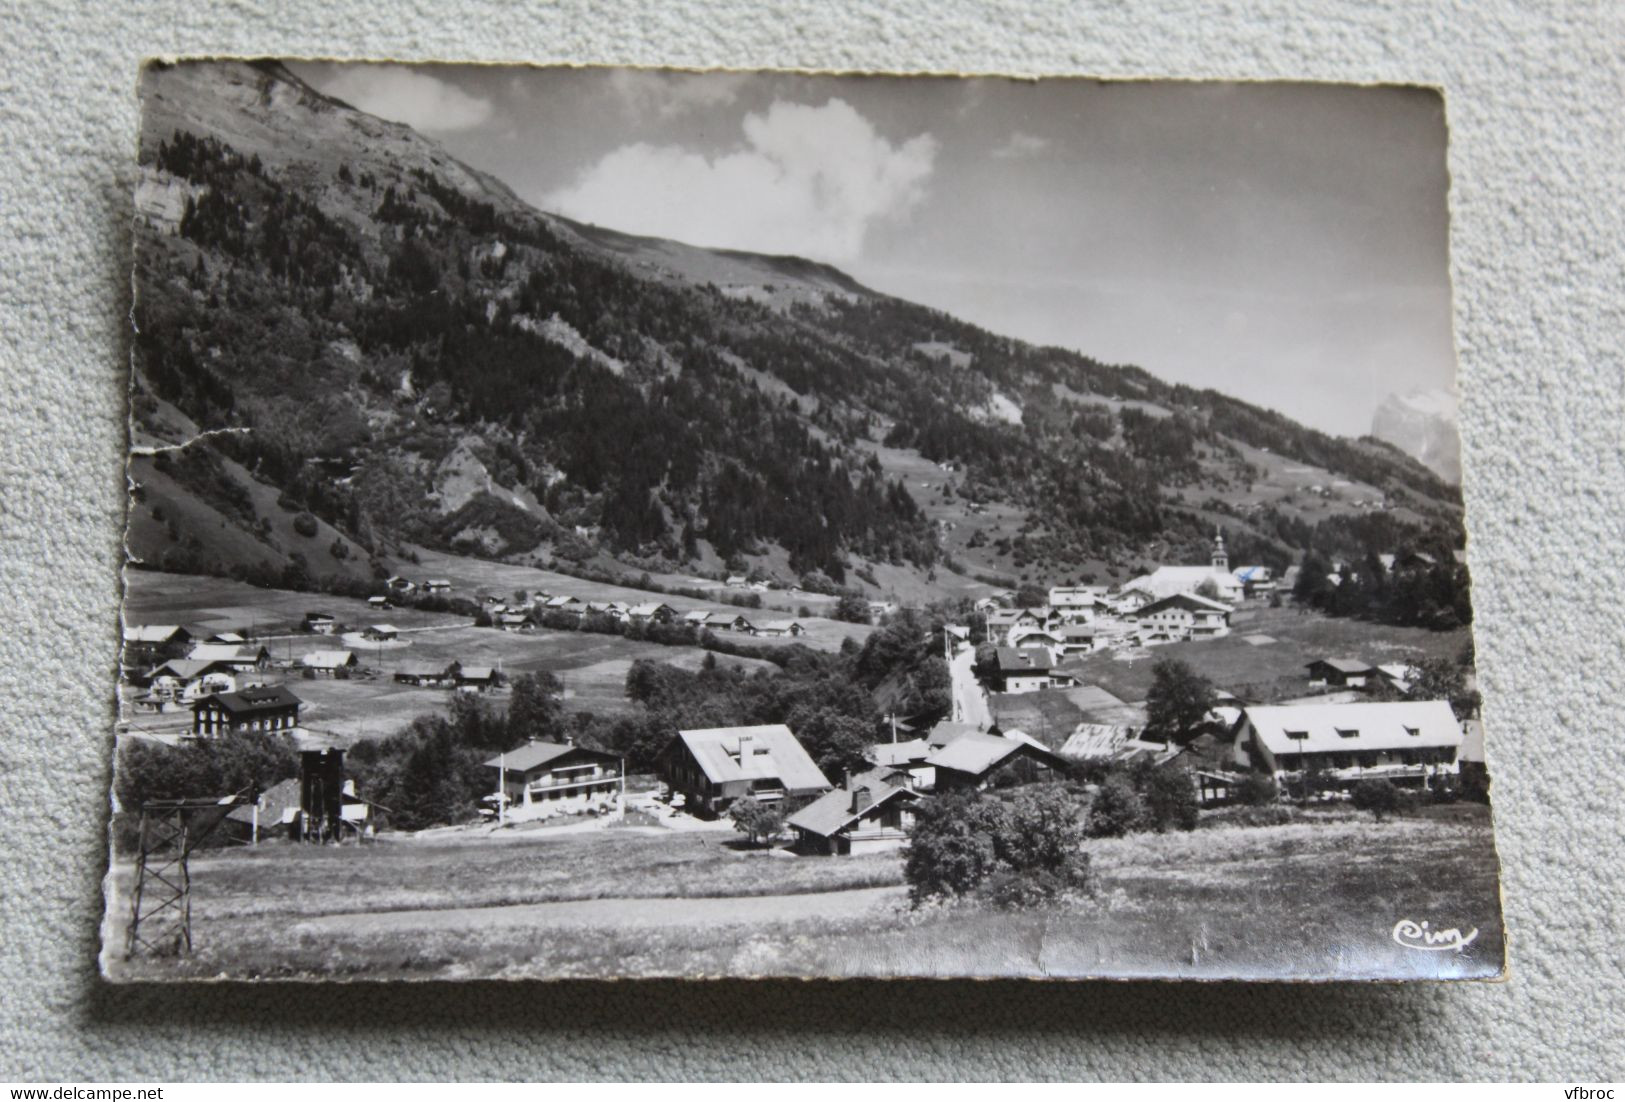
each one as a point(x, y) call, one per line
point(1357, 720)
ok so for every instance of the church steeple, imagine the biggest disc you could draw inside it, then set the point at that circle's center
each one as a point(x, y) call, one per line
point(1221, 558)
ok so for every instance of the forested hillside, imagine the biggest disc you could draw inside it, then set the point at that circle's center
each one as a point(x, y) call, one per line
point(418, 357)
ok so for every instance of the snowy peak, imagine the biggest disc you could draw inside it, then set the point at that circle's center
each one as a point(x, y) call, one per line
point(1422, 424)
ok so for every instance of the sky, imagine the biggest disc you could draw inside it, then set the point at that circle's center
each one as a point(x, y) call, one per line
point(1284, 243)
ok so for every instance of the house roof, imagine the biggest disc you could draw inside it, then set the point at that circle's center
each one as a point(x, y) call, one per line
point(273, 802)
point(648, 608)
point(383, 629)
point(833, 810)
point(780, 625)
point(187, 668)
point(475, 673)
point(261, 698)
point(561, 600)
point(1165, 581)
point(978, 753)
point(1185, 600)
point(1024, 660)
point(1097, 740)
point(1353, 728)
point(328, 659)
point(697, 616)
point(1342, 665)
point(948, 730)
point(225, 652)
point(318, 616)
point(753, 753)
point(1077, 631)
point(900, 753)
point(151, 633)
point(533, 755)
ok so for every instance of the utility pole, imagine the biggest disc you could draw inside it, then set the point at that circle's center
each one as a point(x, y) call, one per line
point(502, 788)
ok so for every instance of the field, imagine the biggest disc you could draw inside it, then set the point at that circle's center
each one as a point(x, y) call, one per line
point(1223, 901)
point(592, 667)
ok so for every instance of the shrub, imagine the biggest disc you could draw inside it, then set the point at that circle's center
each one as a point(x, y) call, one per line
point(1018, 849)
point(759, 822)
point(1117, 809)
point(1170, 799)
point(1379, 797)
point(1257, 790)
point(305, 525)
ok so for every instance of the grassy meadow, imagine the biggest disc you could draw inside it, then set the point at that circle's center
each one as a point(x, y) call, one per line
point(1315, 898)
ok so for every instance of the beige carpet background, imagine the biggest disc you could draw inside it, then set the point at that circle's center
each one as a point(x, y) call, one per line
point(1536, 97)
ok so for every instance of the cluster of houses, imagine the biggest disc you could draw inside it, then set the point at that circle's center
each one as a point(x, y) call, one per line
point(1172, 604)
point(1414, 744)
point(529, 615)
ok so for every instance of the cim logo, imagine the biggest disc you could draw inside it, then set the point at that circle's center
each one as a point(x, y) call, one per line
point(1420, 935)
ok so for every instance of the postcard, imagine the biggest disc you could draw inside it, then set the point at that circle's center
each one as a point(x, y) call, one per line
point(594, 522)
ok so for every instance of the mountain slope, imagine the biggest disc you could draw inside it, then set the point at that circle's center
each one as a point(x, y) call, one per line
point(416, 355)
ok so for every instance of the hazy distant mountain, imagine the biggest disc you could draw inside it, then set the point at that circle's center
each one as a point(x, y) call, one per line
point(412, 353)
point(1422, 424)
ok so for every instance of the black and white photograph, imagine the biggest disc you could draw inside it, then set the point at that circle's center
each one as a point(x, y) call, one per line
point(615, 523)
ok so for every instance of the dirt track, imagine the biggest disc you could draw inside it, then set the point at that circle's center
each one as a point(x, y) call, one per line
point(622, 914)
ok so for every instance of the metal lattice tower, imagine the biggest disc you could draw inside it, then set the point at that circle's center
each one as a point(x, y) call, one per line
point(161, 897)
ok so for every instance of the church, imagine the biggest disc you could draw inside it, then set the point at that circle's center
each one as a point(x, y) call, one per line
point(1169, 581)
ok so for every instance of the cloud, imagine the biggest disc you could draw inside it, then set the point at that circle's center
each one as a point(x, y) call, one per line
point(1020, 146)
point(807, 180)
point(421, 101)
point(645, 92)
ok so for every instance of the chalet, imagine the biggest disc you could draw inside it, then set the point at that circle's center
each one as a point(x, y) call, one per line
point(697, 618)
point(275, 812)
point(977, 761)
point(737, 581)
point(1026, 635)
point(328, 663)
point(779, 629)
point(1025, 670)
point(912, 755)
point(652, 612)
point(437, 585)
point(265, 708)
point(722, 621)
point(426, 674)
point(377, 602)
point(145, 644)
point(241, 659)
point(956, 634)
point(187, 679)
point(513, 621)
point(476, 679)
point(1256, 581)
point(565, 603)
point(398, 584)
point(1076, 603)
point(1398, 676)
point(225, 638)
point(1185, 616)
point(715, 766)
point(869, 813)
point(1077, 638)
point(878, 609)
point(760, 587)
point(1410, 742)
point(321, 623)
point(985, 605)
point(1341, 673)
point(618, 611)
point(541, 780)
